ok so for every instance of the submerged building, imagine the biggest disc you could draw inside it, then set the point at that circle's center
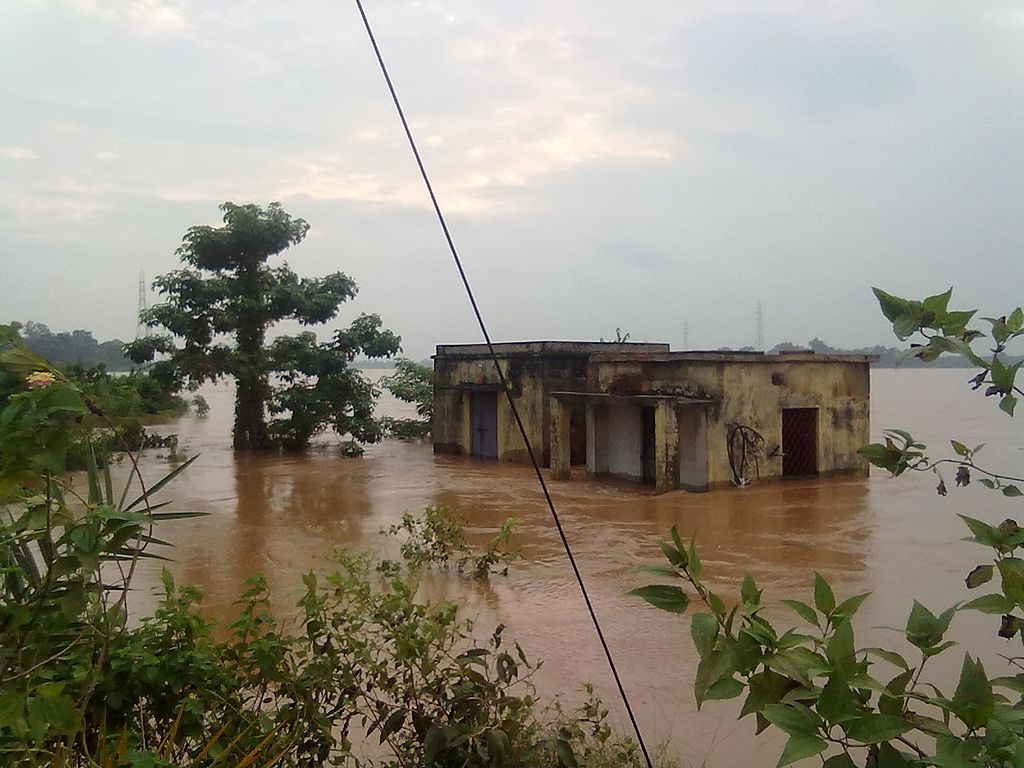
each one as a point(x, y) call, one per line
point(692, 420)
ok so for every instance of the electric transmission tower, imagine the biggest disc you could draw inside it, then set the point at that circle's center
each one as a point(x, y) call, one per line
point(140, 329)
point(760, 327)
point(686, 335)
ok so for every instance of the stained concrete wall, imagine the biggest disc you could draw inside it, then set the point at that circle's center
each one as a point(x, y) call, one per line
point(533, 369)
point(753, 393)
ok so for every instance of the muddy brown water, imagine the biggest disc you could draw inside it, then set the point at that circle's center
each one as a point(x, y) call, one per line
point(282, 515)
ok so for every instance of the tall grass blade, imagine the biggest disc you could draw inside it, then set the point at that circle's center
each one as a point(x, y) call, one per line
point(153, 489)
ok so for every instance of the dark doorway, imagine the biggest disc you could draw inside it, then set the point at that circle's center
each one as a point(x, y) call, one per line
point(799, 442)
point(647, 445)
point(483, 424)
point(578, 436)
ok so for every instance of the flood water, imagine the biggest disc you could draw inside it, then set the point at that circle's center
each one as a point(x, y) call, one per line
point(895, 538)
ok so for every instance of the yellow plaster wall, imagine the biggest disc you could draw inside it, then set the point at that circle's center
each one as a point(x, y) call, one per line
point(744, 394)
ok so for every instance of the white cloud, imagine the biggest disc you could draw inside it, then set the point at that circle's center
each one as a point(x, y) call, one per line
point(17, 153)
point(150, 17)
point(105, 156)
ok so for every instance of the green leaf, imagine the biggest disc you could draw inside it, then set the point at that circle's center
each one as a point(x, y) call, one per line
point(924, 629)
point(980, 575)
point(726, 688)
point(836, 701)
point(1011, 569)
point(794, 719)
point(392, 725)
point(890, 757)
point(824, 598)
point(717, 665)
point(566, 758)
point(874, 729)
point(973, 701)
point(893, 307)
point(497, 746)
point(797, 664)
point(851, 605)
point(891, 656)
point(433, 742)
point(801, 747)
point(54, 714)
point(983, 533)
point(704, 630)
point(1012, 491)
point(841, 760)
point(960, 448)
point(1007, 404)
point(839, 650)
point(1015, 320)
point(153, 489)
point(805, 611)
point(675, 556)
point(939, 303)
point(22, 361)
point(765, 688)
point(663, 596)
point(749, 592)
point(658, 570)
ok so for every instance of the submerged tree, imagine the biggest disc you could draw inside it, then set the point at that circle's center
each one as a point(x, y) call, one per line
point(228, 288)
point(412, 383)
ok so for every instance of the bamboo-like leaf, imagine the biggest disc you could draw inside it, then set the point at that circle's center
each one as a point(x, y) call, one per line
point(155, 488)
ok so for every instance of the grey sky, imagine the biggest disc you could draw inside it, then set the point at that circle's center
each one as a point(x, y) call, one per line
point(637, 165)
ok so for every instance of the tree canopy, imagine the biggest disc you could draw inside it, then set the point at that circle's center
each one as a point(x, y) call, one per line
point(222, 304)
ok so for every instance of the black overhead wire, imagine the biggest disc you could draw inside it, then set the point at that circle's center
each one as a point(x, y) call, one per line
point(505, 386)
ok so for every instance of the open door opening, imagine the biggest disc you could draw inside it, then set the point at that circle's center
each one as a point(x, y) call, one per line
point(483, 424)
point(647, 463)
point(799, 442)
point(578, 436)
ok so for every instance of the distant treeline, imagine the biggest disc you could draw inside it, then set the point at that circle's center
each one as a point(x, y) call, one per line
point(888, 357)
point(386, 363)
point(74, 348)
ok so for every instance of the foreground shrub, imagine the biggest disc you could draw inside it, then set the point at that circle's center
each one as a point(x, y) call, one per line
point(365, 674)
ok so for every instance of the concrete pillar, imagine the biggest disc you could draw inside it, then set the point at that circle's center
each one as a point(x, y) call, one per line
point(597, 439)
point(560, 440)
point(666, 447)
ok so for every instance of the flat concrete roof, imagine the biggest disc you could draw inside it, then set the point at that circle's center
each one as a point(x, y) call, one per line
point(507, 348)
point(730, 357)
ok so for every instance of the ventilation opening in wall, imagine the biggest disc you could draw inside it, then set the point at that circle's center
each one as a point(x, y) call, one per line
point(799, 442)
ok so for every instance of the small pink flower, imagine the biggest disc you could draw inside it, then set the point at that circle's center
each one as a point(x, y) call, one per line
point(39, 379)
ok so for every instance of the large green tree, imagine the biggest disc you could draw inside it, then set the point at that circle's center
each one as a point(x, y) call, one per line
point(220, 308)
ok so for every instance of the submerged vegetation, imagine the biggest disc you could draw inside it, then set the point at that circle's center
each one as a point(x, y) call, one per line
point(364, 674)
point(867, 706)
point(412, 383)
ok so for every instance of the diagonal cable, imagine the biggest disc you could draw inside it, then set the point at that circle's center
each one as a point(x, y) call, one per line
point(505, 386)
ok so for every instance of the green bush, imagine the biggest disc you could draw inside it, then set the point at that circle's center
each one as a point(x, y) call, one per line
point(869, 706)
point(82, 685)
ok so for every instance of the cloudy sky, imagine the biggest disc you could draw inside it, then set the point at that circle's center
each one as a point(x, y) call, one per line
point(650, 165)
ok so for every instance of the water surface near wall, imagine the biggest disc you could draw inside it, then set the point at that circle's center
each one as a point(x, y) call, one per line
point(283, 515)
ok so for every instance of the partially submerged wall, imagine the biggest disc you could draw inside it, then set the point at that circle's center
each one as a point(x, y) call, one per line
point(533, 369)
point(753, 393)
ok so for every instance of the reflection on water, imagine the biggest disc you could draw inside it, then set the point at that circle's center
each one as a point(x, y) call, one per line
point(897, 539)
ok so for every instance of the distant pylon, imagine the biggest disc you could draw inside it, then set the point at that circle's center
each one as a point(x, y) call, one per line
point(140, 329)
point(686, 335)
point(760, 326)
